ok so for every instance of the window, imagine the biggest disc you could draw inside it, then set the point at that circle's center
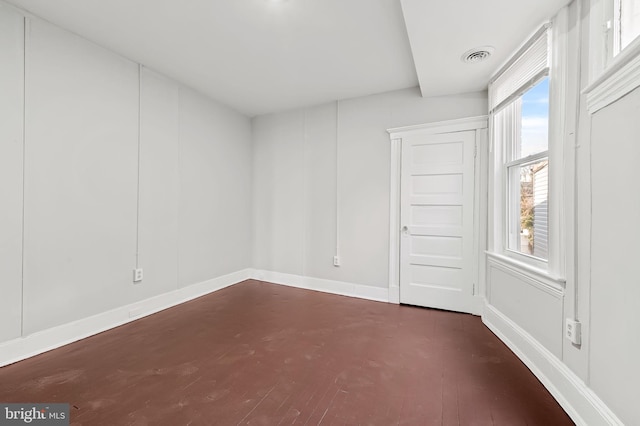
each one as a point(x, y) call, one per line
point(519, 105)
point(622, 23)
point(527, 161)
point(628, 19)
point(526, 167)
point(614, 53)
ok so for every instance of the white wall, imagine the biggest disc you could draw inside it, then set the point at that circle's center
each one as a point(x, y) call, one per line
point(215, 190)
point(120, 163)
point(11, 162)
point(81, 149)
point(327, 166)
point(615, 255)
point(159, 171)
point(279, 216)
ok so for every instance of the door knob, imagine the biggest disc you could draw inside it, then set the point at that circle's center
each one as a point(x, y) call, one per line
point(405, 230)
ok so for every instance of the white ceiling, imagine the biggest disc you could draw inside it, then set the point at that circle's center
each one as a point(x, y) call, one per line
point(441, 32)
point(261, 56)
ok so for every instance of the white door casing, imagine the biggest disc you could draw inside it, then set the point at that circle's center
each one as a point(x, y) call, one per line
point(432, 251)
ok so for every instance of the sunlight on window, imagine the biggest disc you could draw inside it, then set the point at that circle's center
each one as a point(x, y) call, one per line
point(629, 21)
point(535, 119)
point(529, 179)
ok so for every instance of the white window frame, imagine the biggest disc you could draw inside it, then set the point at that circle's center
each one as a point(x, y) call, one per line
point(505, 132)
point(612, 74)
point(553, 269)
point(513, 214)
point(612, 34)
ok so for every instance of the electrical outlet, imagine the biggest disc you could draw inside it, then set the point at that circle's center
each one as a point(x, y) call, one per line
point(137, 275)
point(336, 261)
point(573, 331)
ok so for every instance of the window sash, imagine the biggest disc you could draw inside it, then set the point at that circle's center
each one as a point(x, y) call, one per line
point(625, 24)
point(513, 207)
point(528, 159)
point(621, 33)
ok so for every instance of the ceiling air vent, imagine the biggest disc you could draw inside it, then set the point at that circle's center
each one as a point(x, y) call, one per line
point(477, 54)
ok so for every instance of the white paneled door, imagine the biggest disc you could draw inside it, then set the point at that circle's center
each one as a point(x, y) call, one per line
point(436, 216)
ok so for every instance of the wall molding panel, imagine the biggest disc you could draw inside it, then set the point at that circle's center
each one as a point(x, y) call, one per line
point(620, 78)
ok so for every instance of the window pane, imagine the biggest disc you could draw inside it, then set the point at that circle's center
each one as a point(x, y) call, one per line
point(529, 208)
point(629, 21)
point(534, 133)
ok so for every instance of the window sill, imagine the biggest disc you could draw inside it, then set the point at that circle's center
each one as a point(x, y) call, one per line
point(557, 284)
point(619, 78)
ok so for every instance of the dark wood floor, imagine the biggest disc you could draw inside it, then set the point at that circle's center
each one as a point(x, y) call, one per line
point(263, 354)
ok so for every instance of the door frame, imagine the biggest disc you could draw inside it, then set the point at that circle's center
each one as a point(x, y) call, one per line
point(480, 125)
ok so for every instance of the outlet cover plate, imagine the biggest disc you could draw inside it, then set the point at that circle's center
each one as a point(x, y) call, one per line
point(573, 331)
point(137, 275)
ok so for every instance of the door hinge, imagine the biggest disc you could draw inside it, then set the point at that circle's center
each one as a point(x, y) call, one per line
point(475, 150)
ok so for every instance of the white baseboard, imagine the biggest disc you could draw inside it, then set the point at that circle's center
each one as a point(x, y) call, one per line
point(378, 294)
point(25, 347)
point(581, 403)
